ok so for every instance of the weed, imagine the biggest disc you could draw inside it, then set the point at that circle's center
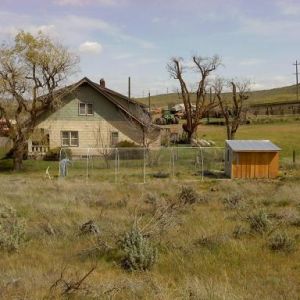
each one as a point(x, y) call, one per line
point(239, 231)
point(259, 222)
point(281, 242)
point(139, 253)
point(189, 195)
point(233, 201)
point(211, 242)
point(12, 229)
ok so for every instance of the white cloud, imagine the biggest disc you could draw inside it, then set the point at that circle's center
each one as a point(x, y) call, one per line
point(85, 2)
point(70, 29)
point(91, 47)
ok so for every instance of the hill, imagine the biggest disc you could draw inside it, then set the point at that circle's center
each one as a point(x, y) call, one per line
point(282, 94)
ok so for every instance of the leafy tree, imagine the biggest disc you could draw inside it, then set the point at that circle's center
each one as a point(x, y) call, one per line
point(31, 70)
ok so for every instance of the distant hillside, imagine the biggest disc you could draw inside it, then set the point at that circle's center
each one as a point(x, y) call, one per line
point(283, 94)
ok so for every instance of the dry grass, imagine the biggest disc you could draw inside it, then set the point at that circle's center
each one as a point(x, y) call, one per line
point(199, 258)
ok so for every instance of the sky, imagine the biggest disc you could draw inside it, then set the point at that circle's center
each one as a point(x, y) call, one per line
point(257, 40)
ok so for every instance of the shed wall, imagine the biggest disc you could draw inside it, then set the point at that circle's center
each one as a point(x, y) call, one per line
point(255, 165)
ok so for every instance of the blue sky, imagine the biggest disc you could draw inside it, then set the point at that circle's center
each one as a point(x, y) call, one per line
point(257, 40)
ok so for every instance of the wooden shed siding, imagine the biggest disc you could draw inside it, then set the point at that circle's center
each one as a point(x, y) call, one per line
point(255, 165)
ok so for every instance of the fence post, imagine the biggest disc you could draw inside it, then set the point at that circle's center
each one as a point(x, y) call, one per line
point(116, 164)
point(294, 157)
point(87, 164)
point(144, 166)
point(202, 164)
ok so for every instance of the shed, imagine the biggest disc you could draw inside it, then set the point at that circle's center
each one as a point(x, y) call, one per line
point(251, 159)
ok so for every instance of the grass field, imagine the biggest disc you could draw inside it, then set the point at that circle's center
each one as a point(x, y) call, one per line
point(217, 239)
point(283, 94)
point(206, 249)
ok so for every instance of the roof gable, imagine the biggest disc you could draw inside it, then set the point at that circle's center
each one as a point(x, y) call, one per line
point(119, 100)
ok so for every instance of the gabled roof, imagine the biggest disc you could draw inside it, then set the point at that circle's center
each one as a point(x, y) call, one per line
point(121, 101)
point(252, 146)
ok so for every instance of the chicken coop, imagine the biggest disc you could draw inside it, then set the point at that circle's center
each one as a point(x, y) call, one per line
point(251, 159)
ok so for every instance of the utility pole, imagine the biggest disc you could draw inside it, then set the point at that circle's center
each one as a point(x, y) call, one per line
point(297, 79)
point(129, 88)
point(149, 101)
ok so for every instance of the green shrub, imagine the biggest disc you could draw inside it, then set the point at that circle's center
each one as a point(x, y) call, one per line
point(259, 222)
point(55, 153)
point(124, 153)
point(12, 229)
point(126, 144)
point(139, 253)
point(281, 242)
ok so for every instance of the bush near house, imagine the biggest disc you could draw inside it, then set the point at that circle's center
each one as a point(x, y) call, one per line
point(55, 153)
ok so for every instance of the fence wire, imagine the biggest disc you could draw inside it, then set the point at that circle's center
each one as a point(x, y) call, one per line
point(139, 165)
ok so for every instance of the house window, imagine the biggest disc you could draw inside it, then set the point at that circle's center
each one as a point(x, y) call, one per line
point(114, 138)
point(69, 139)
point(85, 109)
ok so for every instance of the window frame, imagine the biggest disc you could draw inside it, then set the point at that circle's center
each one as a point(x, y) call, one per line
point(70, 139)
point(112, 138)
point(86, 110)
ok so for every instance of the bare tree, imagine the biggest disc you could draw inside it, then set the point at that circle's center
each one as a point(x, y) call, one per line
point(101, 145)
point(31, 69)
point(234, 109)
point(204, 66)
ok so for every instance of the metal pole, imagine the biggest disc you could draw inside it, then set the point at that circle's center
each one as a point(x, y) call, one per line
point(116, 165)
point(144, 167)
point(202, 163)
point(87, 164)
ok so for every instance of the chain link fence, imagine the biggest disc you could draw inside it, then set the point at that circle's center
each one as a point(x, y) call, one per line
point(139, 165)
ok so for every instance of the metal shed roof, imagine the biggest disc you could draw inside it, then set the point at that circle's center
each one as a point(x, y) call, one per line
point(252, 146)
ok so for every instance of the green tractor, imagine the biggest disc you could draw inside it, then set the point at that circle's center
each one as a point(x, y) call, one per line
point(167, 118)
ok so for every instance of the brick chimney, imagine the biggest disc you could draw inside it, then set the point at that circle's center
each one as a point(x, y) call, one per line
point(102, 82)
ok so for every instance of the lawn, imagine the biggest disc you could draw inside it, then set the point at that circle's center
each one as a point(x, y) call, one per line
point(285, 135)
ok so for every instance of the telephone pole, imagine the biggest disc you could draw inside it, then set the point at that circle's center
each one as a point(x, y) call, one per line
point(297, 79)
point(129, 87)
point(149, 102)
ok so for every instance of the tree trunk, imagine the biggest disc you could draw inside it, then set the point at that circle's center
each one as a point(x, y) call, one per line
point(18, 154)
point(228, 132)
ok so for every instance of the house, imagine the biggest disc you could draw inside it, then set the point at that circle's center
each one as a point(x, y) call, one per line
point(251, 159)
point(90, 115)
